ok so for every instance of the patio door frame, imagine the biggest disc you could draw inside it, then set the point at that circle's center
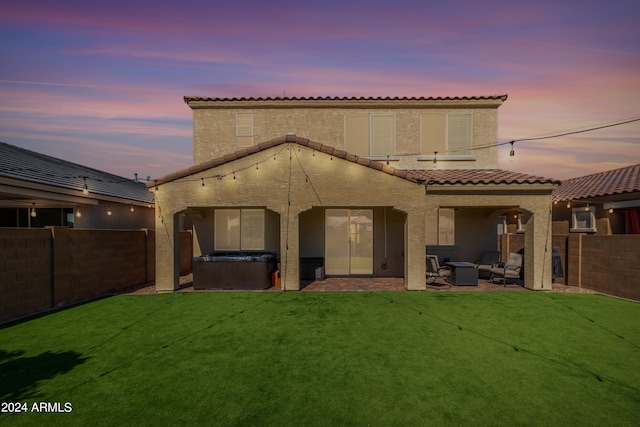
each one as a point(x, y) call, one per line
point(349, 242)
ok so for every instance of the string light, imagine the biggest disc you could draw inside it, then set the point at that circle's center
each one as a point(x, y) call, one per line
point(512, 153)
point(85, 189)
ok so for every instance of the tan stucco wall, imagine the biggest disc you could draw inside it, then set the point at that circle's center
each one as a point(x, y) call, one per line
point(214, 127)
point(297, 180)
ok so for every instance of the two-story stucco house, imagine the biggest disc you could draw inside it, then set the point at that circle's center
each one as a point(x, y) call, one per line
point(366, 185)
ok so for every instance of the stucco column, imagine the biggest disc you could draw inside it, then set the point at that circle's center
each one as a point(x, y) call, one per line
point(415, 252)
point(537, 251)
point(167, 253)
point(290, 251)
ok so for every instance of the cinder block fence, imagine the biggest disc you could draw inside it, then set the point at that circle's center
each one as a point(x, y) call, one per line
point(605, 263)
point(44, 269)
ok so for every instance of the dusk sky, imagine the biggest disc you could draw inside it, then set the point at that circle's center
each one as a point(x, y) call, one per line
point(102, 83)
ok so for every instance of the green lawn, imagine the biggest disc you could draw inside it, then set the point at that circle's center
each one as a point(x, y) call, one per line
point(300, 359)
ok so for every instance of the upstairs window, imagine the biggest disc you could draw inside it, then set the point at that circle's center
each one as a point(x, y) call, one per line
point(370, 134)
point(448, 134)
point(244, 130)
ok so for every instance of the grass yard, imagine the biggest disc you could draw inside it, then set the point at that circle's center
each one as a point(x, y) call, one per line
point(338, 359)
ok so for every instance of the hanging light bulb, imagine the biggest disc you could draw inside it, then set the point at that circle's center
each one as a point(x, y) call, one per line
point(132, 209)
point(512, 153)
point(256, 166)
point(85, 189)
point(202, 179)
point(78, 213)
point(435, 159)
point(568, 204)
point(610, 209)
point(109, 210)
point(33, 211)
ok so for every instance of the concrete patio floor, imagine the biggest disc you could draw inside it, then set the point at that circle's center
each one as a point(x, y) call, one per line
point(393, 284)
point(378, 284)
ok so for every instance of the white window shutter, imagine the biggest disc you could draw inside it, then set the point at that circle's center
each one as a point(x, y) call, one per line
point(383, 135)
point(459, 134)
point(244, 130)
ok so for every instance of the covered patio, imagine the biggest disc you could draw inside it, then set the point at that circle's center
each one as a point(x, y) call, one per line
point(305, 200)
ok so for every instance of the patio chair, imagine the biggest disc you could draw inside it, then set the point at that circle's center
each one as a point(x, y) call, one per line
point(509, 270)
point(434, 270)
point(487, 260)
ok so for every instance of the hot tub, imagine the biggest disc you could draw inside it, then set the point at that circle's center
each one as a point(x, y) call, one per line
point(234, 270)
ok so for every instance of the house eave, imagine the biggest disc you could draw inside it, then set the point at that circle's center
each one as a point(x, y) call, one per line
point(491, 189)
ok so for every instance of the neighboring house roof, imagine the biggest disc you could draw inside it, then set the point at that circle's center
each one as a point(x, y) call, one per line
point(614, 183)
point(25, 165)
point(426, 176)
point(503, 98)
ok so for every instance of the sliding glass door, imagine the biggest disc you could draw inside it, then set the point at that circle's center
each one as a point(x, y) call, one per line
point(349, 242)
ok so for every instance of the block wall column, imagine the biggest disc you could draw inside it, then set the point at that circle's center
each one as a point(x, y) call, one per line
point(537, 252)
point(415, 251)
point(167, 253)
point(290, 250)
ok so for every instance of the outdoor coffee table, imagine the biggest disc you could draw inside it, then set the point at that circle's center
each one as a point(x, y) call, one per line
point(463, 273)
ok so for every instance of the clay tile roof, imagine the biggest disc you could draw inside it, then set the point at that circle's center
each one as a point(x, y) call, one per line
point(428, 176)
point(614, 182)
point(188, 99)
point(477, 176)
point(228, 158)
